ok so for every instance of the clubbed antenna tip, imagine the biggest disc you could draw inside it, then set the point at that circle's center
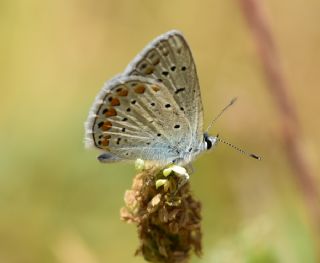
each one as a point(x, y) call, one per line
point(239, 149)
point(255, 156)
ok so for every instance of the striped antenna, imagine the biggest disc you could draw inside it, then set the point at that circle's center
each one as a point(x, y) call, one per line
point(239, 150)
point(221, 112)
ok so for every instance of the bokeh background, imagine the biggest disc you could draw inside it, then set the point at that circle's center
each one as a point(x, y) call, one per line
point(58, 204)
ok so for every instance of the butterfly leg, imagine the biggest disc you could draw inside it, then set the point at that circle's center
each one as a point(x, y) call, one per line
point(183, 179)
point(190, 169)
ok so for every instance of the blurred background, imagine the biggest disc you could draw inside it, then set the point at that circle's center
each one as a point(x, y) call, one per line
point(58, 204)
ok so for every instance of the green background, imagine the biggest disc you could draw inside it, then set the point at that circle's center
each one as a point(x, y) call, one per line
point(58, 204)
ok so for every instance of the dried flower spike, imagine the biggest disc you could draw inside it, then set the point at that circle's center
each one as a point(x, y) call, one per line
point(167, 216)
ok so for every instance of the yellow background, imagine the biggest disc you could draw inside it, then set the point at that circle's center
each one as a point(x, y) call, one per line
point(58, 204)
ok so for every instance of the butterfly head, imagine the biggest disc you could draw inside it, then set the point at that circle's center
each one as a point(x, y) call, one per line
point(209, 141)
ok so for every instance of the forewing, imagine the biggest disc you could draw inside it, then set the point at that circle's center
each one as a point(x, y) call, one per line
point(135, 117)
point(168, 60)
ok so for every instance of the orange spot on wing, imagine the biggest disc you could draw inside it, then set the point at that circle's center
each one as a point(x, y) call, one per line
point(105, 142)
point(123, 92)
point(111, 112)
point(115, 102)
point(106, 126)
point(140, 89)
point(155, 88)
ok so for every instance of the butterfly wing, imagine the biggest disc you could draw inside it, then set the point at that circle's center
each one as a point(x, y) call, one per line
point(136, 117)
point(168, 60)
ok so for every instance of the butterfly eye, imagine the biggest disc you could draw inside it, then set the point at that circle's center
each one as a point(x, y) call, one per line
point(208, 142)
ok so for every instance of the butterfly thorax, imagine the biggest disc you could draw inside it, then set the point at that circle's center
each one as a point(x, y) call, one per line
point(190, 154)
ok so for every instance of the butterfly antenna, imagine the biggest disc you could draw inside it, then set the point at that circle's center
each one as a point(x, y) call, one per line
point(221, 112)
point(238, 149)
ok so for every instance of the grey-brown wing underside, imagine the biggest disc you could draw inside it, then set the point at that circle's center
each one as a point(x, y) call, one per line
point(168, 60)
point(134, 117)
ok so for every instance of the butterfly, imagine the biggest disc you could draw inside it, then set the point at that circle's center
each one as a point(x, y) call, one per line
point(153, 110)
